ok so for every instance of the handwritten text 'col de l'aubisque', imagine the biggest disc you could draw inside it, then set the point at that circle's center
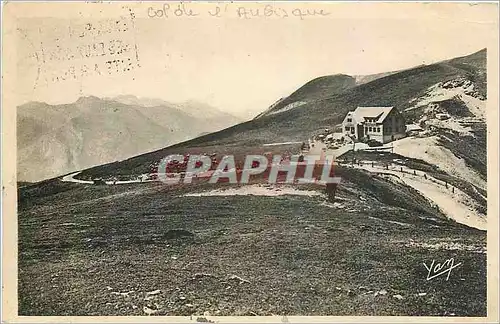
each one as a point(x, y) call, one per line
point(167, 10)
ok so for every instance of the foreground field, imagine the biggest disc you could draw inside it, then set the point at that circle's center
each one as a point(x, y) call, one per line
point(144, 249)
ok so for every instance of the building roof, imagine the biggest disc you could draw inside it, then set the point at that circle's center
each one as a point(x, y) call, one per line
point(372, 112)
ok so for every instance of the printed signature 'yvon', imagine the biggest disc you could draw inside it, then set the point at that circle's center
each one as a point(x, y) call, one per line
point(437, 269)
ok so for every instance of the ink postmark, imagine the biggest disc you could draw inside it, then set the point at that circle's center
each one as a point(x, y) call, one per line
point(75, 50)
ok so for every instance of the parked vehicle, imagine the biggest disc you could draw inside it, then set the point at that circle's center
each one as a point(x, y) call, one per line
point(373, 143)
point(99, 181)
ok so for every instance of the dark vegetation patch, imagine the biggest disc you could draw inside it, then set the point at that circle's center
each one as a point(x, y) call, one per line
point(412, 116)
point(470, 148)
point(176, 234)
point(455, 107)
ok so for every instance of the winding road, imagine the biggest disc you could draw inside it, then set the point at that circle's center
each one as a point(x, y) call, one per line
point(455, 203)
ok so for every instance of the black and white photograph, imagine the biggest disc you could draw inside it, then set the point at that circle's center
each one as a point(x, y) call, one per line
point(250, 161)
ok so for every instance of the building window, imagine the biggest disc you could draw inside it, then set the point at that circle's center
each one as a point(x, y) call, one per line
point(352, 130)
point(347, 129)
point(349, 120)
point(378, 129)
point(371, 129)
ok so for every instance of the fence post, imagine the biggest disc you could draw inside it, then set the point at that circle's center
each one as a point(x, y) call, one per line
point(414, 172)
point(331, 189)
point(425, 176)
point(452, 189)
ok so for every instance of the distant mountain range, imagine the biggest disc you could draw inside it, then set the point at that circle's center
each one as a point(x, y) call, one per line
point(57, 139)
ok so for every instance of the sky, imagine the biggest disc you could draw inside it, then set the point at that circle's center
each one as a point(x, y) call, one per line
point(239, 65)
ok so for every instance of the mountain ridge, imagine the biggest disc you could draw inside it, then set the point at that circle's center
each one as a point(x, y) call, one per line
point(326, 109)
point(55, 139)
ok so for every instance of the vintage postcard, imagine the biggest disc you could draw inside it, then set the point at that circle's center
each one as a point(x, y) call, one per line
point(229, 162)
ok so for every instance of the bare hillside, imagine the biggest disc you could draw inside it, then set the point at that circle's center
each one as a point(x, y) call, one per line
point(56, 139)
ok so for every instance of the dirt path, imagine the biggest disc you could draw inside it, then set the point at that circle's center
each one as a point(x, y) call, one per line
point(70, 178)
point(319, 146)
point(455, 203)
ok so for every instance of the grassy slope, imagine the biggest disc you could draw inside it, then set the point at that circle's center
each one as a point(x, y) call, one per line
point(417, 164)
point(470, 148)
point(475, 65)
point(318, 88)
point(300, 257)
point(141, 164)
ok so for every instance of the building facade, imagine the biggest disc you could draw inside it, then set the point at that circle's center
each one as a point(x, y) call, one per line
point(383, 124)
